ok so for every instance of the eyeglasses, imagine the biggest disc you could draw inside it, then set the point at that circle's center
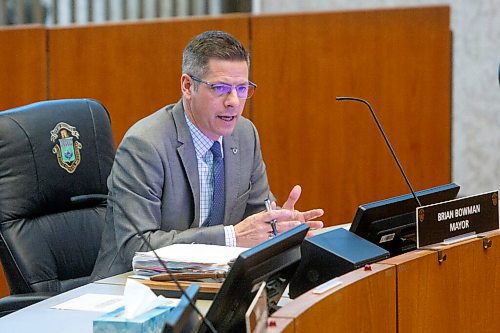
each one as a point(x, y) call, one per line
point(243, 91)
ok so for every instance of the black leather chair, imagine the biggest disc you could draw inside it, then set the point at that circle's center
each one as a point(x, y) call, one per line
point(52, 155)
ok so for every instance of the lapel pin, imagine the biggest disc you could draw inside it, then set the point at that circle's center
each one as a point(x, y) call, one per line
point(234, 150)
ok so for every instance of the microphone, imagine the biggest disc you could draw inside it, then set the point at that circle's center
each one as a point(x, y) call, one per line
point(172, 277)
point(386, 141)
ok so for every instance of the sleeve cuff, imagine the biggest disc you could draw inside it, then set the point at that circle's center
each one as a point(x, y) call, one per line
point(230, 235)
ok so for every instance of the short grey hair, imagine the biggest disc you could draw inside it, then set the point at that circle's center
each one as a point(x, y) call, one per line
point(211, 45)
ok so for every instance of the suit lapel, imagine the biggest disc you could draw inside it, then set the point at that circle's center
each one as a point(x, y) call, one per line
point(187, 156)
point(232, 165)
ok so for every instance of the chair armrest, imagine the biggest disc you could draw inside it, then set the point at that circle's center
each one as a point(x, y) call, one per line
point(12, 303)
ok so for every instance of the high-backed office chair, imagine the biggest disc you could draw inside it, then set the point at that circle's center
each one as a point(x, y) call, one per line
point(51, 153)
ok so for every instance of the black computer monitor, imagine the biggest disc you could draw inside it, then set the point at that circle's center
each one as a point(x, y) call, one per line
point(391, 223)
point(184, 318)
point(273, 261)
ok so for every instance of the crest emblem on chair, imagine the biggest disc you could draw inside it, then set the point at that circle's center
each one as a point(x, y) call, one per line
point(67, 148)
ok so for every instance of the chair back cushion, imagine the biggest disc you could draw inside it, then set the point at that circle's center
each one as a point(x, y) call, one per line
point(50, 152)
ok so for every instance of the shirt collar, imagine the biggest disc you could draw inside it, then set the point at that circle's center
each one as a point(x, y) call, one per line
point(202, 143)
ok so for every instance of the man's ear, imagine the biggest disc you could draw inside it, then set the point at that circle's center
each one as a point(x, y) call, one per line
point(186, 86)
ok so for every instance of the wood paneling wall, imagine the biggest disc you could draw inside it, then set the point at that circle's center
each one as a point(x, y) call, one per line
point(399, 60)
point(23, 66)
point(4, 287)
point(132, 68)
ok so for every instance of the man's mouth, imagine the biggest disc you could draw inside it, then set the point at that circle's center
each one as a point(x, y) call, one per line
point(227, 118)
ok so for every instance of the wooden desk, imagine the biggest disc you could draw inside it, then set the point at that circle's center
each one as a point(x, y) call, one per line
point(413, 292)
point(365, 302)
point(460, 294)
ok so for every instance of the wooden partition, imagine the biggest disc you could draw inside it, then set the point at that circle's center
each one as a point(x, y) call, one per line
point(460, 294)
point(4, 288)
point(415, 294)
point(23, 64)
point(364, 302)
point(399, 60)
point(132, 68)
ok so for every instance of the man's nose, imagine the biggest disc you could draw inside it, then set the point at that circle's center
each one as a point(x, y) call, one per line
point(232, 99)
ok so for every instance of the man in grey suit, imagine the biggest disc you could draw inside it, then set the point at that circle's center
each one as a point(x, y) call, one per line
point(167, 174)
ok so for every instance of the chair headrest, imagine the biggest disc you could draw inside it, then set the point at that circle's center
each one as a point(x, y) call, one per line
point(52, 151)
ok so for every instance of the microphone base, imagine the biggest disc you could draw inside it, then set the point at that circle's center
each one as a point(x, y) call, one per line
point(331, 254)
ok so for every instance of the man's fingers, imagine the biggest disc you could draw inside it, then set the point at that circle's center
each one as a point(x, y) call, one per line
point(312, 214)
point(277, 214)
point(315, 224)
point(293, 197)
point(287, 225)
point(273, 205)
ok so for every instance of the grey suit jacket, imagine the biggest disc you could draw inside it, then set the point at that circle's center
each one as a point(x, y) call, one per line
point(154, 184)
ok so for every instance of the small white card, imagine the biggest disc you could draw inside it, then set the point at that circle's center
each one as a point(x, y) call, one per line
point(92, 302)
point(327, 286)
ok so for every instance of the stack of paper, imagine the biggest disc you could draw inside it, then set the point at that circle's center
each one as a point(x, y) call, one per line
point(186, 258)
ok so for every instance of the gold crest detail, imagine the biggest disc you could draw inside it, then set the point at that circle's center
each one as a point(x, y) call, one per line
point(421, 215)
point(494, 198)
point(67, 148)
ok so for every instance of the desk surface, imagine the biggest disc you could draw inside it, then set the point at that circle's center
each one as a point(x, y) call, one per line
point(120, 279)
point(425, 288)
point(41, 318)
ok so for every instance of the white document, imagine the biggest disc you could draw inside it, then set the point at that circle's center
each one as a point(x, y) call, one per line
point(92, 302)
point(197, 253)
point(186, 258)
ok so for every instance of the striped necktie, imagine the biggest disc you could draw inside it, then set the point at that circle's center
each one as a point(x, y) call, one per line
point(216, 215)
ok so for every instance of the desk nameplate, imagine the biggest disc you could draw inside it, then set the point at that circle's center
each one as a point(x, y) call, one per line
point(257, 314)
point(460, 217)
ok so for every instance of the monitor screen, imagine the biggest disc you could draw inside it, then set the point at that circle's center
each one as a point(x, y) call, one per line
point(391, 223)
point(273, 261)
